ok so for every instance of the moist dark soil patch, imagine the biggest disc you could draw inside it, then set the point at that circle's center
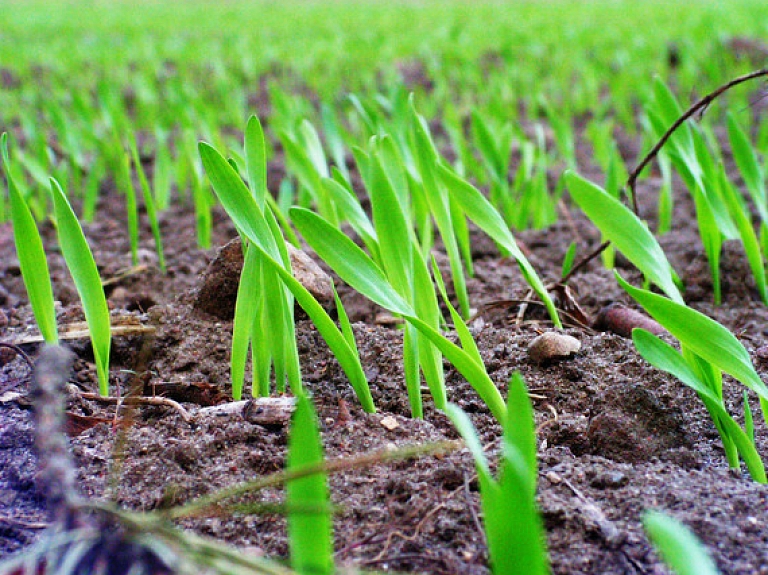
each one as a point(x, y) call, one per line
point(616, 437)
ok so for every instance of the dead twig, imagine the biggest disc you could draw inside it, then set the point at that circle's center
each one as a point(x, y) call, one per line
point(509, 302)
point(699, 106)
point(57, 475)
point(594, 518)
point(584, 261)
point(133, 400)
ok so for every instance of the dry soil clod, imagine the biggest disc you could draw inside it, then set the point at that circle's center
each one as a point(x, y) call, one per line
point(552, 346)
point(217, 292)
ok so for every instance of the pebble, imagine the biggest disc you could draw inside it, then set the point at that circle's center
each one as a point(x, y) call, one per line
point(552, 346)
point(389, 423)
point(609, 480)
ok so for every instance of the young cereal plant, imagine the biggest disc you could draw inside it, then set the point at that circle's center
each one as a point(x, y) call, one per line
point(252, 221)
point(447, 215)
point(358, 270)
point(707, 382)
point(29, 249)
point(480, 211)
point(513, 526)
point(694, 161)
point(390, 237)
point(263, 304)
point(149, 204)
point(85, 274)
point(708, 349)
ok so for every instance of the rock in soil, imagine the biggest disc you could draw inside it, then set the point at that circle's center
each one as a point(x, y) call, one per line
point(217, 292)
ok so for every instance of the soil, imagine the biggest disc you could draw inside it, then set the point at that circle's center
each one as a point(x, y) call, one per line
point(616, 437)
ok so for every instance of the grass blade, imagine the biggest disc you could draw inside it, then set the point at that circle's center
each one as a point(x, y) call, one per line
point(662, 356)
point(85, 274)
point(701, 335)
point(348, 260)
point(245, 213)
point(624, 229)
point(29, 249)
point(309, 532)
point(478, 209)
point(256, 160)
point(678, 546)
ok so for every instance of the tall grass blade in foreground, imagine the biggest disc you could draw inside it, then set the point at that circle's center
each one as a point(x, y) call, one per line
point(513, 527)
point(309, 515)
point(85, 274)
point(678, 546)
point(29, 249)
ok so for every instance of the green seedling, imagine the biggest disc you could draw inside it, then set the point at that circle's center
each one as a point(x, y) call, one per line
point(245, 212)
point(407, 272)
point(149, 204)
point(85, 274)
point(513, 527)
point(309, 532)
point(703, 337)
point(480, 211)
point(161, 174)
point(749, 240)
point(357, 269)
point(392, 240)
point(677, 545)
point(626, 232)
point(568, 260)
point(200, 196)
point(446, 213)
point(263, 305)
point(306, 159)
point(29, 249)
point(694, 161)
point(691, 370)
point(708, 348)
point(666, 199)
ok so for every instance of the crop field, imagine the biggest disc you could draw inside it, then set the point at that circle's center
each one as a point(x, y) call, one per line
point(424, 286)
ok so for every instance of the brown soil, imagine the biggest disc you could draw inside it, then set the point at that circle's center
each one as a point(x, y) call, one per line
point(615, 435)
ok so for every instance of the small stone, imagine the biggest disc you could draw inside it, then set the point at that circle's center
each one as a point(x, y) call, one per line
point(389, 423)
point(310, 275)
point(554, 478)
point(217, 292)
point(609, 480)
point(552, 346)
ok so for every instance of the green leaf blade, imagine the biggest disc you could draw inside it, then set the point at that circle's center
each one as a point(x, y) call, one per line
point(85, 274)
point(348, 260)
point(31, 254)
point(309, 516)
point(678, 546)
point(625, 231)
point(701, 335)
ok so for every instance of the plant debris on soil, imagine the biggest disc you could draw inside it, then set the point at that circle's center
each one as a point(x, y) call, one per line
point(616, 437)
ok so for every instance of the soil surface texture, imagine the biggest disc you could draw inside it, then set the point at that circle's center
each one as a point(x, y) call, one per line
point(616, 437)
